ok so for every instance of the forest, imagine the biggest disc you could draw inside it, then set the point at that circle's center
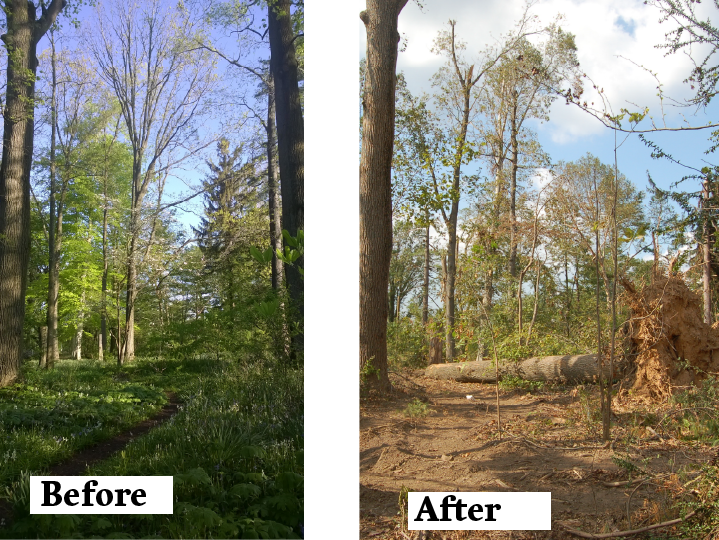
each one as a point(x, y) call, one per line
point(151, 261)
point(533, 323)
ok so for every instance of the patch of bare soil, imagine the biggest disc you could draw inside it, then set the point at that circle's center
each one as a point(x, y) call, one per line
point(550, 442)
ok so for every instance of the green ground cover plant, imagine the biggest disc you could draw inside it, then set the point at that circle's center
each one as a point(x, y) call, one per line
point(235, 450)
point(49, 415)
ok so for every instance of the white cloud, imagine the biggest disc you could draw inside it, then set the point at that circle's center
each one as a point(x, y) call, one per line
point(604, 31)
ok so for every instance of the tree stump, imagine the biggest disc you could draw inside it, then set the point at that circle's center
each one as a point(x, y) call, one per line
point(435, 350)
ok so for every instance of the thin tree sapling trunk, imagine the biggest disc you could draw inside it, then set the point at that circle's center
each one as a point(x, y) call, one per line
point(425, 284)
point(273, 187)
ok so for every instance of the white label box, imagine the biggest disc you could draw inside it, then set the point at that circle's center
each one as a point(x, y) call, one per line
point(101, 495)
point(474, 511)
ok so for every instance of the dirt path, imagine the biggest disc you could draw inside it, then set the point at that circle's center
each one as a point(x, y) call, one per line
point(548, 445)
point(78, 463)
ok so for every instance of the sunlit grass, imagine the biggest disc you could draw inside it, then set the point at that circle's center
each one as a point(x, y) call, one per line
point(48, 415)
point(234, 448)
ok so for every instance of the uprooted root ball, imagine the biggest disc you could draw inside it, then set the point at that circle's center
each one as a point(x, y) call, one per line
point(675, 347)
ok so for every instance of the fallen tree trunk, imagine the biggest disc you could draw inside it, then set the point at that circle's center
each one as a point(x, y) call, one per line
point(573, 369)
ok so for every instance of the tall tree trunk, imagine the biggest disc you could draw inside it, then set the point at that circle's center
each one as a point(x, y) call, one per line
point(488, 298)
point(129, 341)
point(425, 285)
point(451, 223)
point(275, 203)
point(536, 303)
point(102, 347)
point(43, 346)
point(118, 337)
point(600, 358)
point(23, 33)
point(380, 20)
point(520, 307)
point(568, 306)
point(707, 261)
point(513, 190)
point(607, 417)
point(449, 304)
point(290, 143)
point(275, 208)
point(55, 235)
point(140, 184)
point(77, 344)
point(391, 302)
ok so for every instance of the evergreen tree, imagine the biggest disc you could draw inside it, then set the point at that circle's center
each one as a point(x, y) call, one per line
point(232, 190)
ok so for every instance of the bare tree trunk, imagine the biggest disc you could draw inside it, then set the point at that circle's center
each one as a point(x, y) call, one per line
point(77, 349)
point(132, 39)
point(425, 285)
point(536, 303)
point(451, 272)
point(129, 348)
point(568, 307)
point(391, 302)
point(607, 418)
point(600, 358)
point(520, 307)
point(290, 144)
point(444, 279)
point(23, 33)
point(706, 250)
point(43, 346)
point(380, 20)
point(275, 203)
point(102, 347)
point(275, 208)
point(513, 191)
point(120, 342)
point(467, 82)
point(55, 235)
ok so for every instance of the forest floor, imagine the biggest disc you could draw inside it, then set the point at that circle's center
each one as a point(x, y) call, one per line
point(229, 432)
point(79, 462)
point(551, 441)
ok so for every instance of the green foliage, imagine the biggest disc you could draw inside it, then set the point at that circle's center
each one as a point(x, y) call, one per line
point(705, 501)
point(416, 409)
point(628, 465)
point(294, 249)
point(696, 417)
point(407, 343)
point(234, 450)
point(368, 371)
point(51, 414)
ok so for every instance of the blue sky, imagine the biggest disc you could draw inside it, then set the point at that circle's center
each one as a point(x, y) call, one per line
point(235, 84)
point(616, 40)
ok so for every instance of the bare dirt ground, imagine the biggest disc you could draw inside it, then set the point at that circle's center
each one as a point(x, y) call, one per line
point(551, 441)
